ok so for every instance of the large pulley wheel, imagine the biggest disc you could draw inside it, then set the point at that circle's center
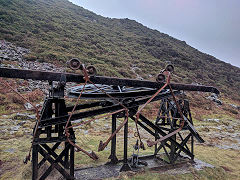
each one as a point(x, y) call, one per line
point(160, 78)
point(75, 64)
point(91, 70)
point(169, 68)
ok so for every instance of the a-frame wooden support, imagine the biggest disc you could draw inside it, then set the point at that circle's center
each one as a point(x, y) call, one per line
point(48, 140)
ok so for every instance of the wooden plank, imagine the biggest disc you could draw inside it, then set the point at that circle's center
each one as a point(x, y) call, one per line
point(53, 149)
point(54, 163)
point(55, 76)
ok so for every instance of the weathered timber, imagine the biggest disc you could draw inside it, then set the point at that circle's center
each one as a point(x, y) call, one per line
point(99, 111)
point(53, 76)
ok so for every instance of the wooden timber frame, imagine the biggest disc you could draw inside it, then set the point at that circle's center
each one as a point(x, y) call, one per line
point(48, 139)
point(50, 131)
point(168, 121)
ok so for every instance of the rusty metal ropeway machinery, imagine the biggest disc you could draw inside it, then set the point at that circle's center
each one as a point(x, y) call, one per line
point(172, 130)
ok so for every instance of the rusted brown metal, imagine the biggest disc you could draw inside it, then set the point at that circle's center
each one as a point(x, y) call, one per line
point(139, 111)
point(75, 64)
point(101, 144)
point(124, 107)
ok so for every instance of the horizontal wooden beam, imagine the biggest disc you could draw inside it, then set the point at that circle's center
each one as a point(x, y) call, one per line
point(70, 77)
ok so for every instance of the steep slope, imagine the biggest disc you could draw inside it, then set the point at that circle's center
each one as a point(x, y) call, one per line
point(58, 30)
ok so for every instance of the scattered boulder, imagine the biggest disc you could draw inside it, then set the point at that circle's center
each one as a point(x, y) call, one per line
point(15, 128)
point(235, 106)
point(10, 150)
point(10, 52)
point(28, 106)
point(6, 116)
point(212, 120)
point(21, 123)
point(20, 56)
point(215, 99)
point(23, 116)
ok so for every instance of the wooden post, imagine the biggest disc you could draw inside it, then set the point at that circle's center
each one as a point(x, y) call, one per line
point(35, 162)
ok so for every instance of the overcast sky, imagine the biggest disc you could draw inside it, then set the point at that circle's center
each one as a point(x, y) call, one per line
point(211, 26)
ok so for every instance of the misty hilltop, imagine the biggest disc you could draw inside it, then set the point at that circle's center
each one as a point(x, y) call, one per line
point(57, 30)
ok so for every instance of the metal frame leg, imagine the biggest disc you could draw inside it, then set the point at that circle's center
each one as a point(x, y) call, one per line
point(125, 166)
point(72, 161)
point(35, 162)
point(113, 156)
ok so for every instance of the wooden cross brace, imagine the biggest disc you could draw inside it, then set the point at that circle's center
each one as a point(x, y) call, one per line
point(174, 150)
point(56, 161)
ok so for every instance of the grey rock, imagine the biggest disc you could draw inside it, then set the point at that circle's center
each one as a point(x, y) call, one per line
point(28, 106)
point(215, 99)
point(15, 128)
point(23, 116)
point(214, 120)
point(11, 150)
point(235, 106)
point(10, 52)
point(21, 123)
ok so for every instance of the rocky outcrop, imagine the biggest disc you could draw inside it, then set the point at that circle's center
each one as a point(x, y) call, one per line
point(235, 106)
point(215, 99)
point(12, 56)
point(10, 52)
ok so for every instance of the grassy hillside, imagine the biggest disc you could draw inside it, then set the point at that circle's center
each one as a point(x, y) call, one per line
point(56, 30)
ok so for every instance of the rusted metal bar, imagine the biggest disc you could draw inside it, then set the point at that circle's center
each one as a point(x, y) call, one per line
point(102, 145)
